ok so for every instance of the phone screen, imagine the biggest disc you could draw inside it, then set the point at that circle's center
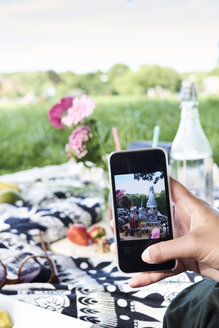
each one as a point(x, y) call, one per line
point(141, 206)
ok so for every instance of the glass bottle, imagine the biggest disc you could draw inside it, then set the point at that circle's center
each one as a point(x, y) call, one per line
point(191, 155)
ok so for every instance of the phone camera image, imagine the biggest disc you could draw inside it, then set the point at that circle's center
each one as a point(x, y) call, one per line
point(141, 206)
point(141, 203)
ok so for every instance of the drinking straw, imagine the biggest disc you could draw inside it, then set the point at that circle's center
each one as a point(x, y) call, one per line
point(133, 208)
point(142, 202)
point(156, 136)
point(116, 139)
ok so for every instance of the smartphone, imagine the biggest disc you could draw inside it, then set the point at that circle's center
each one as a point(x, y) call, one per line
point(141, 206)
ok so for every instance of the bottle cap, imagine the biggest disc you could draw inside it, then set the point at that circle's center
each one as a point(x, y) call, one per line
point(188, 93)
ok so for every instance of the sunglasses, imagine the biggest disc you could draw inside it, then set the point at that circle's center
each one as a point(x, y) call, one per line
point(39, 268)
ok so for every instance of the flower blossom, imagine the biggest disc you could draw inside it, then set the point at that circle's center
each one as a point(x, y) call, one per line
point(155, 233)
point(76, 139)
point(80, 109)
point(55, 113)
point(119, 193)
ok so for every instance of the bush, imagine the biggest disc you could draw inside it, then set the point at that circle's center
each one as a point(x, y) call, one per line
point(147, 77)
point(27, 139)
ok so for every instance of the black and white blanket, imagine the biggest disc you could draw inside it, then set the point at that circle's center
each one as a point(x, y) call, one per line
point(91, 289)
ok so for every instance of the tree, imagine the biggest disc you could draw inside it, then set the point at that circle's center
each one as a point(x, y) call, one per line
point(92, 83)
point(161, 202)
point(154, 75)
point(215, 71)
point(127, 84)
point(54, 77)
point(117, 70)
point(148, 76)
point(149, 177)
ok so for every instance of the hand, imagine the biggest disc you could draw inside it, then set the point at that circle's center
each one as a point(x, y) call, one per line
point(196, 243)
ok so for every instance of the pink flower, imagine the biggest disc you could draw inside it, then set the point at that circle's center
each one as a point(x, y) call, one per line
point(119, 193)
point(55, 113)
point(80, 109)
point(155, 233)
point(76, 139)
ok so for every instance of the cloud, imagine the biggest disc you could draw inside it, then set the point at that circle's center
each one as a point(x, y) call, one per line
point(89, 35)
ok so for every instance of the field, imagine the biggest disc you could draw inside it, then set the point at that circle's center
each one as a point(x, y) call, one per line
point(27, 139)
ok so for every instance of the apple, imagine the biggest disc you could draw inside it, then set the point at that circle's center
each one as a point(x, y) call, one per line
point(77, 233)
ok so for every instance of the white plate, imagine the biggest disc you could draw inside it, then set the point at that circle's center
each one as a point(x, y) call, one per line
point(25, 315)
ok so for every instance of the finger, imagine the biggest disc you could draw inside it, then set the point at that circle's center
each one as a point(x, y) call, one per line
point(187, 246)
point(180, 195)
point(147, 278)
point(178, 191)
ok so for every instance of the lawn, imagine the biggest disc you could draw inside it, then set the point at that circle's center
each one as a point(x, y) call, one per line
point(27, 139)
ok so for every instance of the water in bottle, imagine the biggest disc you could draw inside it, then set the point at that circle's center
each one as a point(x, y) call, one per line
point(191, 155)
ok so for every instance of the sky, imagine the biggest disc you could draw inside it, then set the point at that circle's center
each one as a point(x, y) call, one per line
point(89, 35)
point(132, 186)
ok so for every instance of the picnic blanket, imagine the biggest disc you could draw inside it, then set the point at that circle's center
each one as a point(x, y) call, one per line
point(91, 289)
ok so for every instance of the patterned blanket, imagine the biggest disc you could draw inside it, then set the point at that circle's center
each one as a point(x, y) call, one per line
point(91, 289)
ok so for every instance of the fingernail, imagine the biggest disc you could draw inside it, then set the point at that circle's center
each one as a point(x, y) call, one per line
point(146, 256)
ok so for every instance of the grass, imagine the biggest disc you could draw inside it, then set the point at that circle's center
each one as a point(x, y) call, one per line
point(27, 139)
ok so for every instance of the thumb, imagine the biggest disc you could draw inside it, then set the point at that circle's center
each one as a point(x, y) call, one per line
point(182, 247)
